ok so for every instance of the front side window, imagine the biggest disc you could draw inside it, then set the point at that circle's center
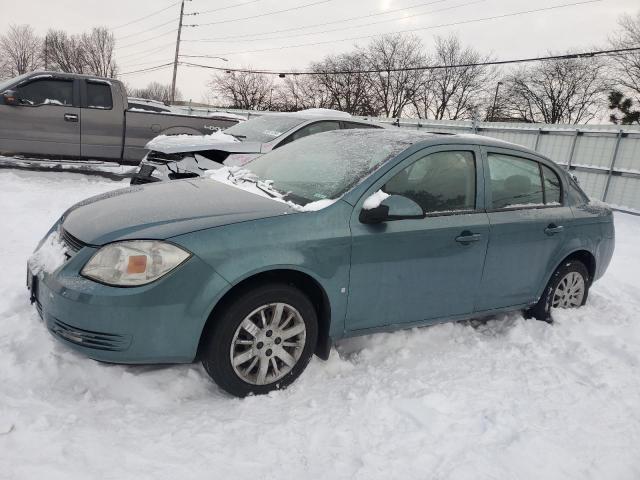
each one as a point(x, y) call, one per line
point(46, 91)
point(439, 182)
point(514, 182)
point(99, 96)
point(359, 125)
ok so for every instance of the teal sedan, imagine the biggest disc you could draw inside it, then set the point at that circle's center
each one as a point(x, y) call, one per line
point(344, 233)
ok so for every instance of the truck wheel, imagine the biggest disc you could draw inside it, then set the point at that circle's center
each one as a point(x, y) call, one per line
point(262, 341)
point(567, 288)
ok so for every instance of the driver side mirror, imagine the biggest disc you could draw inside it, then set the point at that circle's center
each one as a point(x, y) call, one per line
point(381, 207)
point(10, 97)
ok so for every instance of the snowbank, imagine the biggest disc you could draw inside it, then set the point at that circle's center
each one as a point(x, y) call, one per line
point(502, 399)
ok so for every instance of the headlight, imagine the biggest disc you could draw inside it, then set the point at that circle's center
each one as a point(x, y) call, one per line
point(133, 263)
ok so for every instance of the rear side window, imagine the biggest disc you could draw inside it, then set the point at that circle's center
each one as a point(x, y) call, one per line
point(99, 96)
point(358, 125)
point(440, 182)
point(552, 186)
point(46, 91)
point(515, 182)
point(313, 128)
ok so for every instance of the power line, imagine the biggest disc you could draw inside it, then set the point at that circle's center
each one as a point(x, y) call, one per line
point(358, 17)
point(146, 70)
point(464, 22)
point(260, 15)
point(147, 30)
point(365, 24)
point(146, 39)
point(568, 56)
point(223, 8)
point(145, 17)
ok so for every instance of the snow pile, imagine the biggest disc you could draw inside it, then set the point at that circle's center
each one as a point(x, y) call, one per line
point(374, 200)
point(246, 180)
point(49, 256)
point(187, 141)
point(324, 112)
point(503, 398)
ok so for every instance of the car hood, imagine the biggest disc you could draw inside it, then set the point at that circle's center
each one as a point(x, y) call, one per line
point(165, 209)
point(231, 147)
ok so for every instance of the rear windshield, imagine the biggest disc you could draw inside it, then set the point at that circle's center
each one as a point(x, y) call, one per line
point(264, 129)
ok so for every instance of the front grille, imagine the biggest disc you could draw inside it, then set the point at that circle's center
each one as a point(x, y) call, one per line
point(87, 338)
point(71, 242)
point(164, 157)
point(39, 309)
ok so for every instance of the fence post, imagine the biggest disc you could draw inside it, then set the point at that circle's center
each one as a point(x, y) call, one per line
point(573, 148)
point(612, 165)
point(535, 147)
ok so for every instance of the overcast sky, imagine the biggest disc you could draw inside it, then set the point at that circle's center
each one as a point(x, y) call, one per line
point(573, 27)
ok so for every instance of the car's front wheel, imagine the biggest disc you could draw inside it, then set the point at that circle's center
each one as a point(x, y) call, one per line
point(567, 288)
point(261, 341)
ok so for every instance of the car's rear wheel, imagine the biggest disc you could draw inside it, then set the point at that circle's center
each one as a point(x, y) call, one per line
point(567, 288)
point(261, 341)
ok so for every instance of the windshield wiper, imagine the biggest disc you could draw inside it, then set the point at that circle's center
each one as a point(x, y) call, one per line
point(269, 190)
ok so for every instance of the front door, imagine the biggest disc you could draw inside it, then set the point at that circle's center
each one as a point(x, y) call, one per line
point(528, 224)
point(413, 271)
point(47, 121)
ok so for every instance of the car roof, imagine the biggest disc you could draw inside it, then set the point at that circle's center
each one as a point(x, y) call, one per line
point(427, 138)
point(319, 116)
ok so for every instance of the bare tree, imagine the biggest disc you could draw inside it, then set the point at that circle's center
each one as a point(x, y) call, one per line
point(90, 53)
point(64, 53)
point(19, 51)
point(246, 90)
point(562, 91)
point(341, 77)
point(298, 92)
point(154, 91)
point(627, 65)
point(395, 79)
point(458, 89)
point(98, 47)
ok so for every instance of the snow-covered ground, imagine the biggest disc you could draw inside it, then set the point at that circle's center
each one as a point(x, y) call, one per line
point(504, 399)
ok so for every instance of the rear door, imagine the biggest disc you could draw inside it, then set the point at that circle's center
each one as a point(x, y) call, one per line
point(102, 121)
point(528, 218)
point(47, 121)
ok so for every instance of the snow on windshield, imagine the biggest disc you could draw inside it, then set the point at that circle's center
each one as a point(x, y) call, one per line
point(326, 165)
point(188, 141)
point(246, 180)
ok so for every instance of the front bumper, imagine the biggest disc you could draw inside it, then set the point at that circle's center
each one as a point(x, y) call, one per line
point(156, 323)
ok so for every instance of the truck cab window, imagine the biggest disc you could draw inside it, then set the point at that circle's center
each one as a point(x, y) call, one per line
point(99, 96)
point(46, 91)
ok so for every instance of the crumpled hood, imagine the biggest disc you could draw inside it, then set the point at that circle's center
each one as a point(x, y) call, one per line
point(165, 209)
point(231, 147)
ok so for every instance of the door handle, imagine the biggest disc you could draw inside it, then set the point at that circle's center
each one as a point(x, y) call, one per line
point(552, 229)
point(468, 237)
point(70, 117)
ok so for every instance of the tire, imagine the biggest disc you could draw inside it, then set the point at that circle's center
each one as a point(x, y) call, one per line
point(571, 274)
point(245, 331)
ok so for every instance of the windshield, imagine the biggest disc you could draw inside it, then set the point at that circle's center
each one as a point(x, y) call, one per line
point(263, 129)
point(326, 165)
point(4, 84)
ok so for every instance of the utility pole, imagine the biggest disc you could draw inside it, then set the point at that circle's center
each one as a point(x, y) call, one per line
point(175, 61)
point(495, 101)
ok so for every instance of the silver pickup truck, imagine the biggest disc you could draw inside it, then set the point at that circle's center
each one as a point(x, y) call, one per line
point(63, 115)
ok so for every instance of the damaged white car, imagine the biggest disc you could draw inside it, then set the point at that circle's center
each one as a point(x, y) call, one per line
point(184, 156)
